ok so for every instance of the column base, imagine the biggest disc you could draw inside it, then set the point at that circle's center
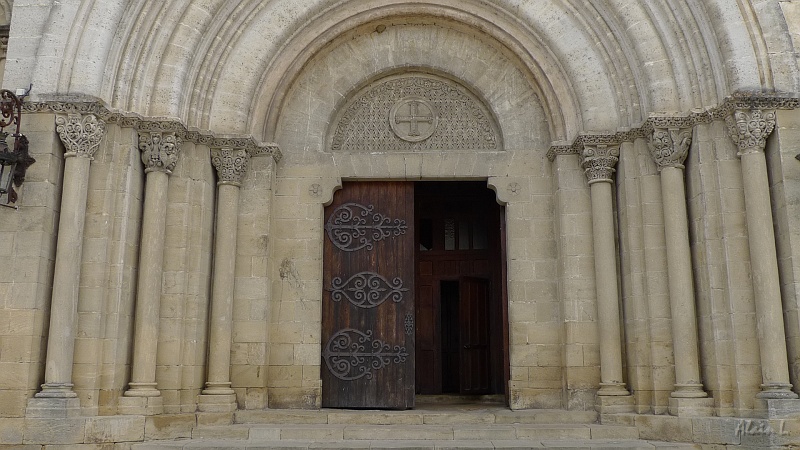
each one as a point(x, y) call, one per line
point(613, 389)
point(217, 403)
point(141, 405)
point(691, 407)
point(53, 407)
point(776, 408)
point(614, 404)
point(692, 390)
point(776, 391)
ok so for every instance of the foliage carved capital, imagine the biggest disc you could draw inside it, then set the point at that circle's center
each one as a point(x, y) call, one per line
point(599, 162)
point(670, 146)
point(159, 150)
point(80, 133)
point(231, 165)
point(749, 129)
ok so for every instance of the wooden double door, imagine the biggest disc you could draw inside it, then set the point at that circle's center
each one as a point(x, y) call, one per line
point(412, 294)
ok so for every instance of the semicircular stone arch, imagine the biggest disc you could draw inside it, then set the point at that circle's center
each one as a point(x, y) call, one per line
point(486, 72)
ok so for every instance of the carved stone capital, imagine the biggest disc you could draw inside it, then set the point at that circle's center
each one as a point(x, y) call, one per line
point(670, 146)
point(231, 164)
point(599, 162)
point(81, 134)
point(160, 150)
point(749, 129)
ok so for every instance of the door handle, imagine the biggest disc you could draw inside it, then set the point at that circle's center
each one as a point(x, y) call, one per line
point(467, 346)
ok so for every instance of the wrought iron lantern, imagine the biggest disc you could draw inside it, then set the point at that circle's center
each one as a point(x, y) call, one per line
point(13, 163)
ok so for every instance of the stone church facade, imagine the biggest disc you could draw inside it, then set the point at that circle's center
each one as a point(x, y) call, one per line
point(173, 252)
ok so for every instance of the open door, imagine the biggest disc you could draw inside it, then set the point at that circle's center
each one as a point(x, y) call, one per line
point(474, 370)
point(368, 297)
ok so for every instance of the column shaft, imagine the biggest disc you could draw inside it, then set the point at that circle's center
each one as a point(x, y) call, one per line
point(221, 323)
point(607, 291)
point(148, 301)
point(766, 284)
point(681, 290)
point(64, 306)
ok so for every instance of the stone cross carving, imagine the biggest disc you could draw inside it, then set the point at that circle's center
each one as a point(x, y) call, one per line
point(670, 146)
point(81, 134)
point(749, 129)
point(159, 151)
point(599, 161)
point(231, 165)
point(408, 114)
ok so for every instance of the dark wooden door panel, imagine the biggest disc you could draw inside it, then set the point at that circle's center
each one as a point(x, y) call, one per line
point(474, 335)
point(368, 297)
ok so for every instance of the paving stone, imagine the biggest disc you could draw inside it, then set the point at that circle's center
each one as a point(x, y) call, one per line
point(315, 432)
point(375, 418)
point(457, 418)
point(484, 433)
point(553, 432)
point(281, 416)
point(429, 432)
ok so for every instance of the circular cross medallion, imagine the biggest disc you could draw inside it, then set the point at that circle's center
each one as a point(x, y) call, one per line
point(413, 119)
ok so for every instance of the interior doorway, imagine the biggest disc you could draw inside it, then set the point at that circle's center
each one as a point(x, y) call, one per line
point(461, 335)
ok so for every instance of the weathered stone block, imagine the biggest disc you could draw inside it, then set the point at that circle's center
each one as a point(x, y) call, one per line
point(54, 430)
point(171, 426)
point(114, 429)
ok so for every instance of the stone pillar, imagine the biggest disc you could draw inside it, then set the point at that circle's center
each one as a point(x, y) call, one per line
point(598, 162)
point(81, 135)
point(749, 129)
point(231, 165)
point(669, 147)
point(159, 155)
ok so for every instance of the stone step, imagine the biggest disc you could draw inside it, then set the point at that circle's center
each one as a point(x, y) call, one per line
point(414, 417)
point(461, 432)
point(209, 444)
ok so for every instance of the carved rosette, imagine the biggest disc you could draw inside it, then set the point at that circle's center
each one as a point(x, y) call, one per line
point(81, 134)
point(159, 151)
point(599, 161)
point(670, 146)
point(749, 129)
point(231, 165)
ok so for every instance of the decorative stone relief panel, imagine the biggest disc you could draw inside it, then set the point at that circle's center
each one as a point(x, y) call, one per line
point(412, 113)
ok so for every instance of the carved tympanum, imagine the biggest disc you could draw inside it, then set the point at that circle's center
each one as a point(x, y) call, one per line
point(749, 129)
point(670, 146)
point(81, 134)
point(352, 354)
point(599, 162)
point(416, 112)
point(231, 165)
point(159, 151)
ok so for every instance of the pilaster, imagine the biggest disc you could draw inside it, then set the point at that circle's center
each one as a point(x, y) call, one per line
point(81, 136)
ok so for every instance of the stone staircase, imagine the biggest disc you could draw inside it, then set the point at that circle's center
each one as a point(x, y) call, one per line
point(431, 425)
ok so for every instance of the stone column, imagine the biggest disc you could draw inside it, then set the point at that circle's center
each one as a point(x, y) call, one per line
point(669, 147)
point(159, 155)
point(749, 130)
point(598, 162)
point(81, 135)
point(231, 165)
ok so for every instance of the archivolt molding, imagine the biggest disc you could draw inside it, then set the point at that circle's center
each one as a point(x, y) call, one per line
point(155, 125)
point(738, 101)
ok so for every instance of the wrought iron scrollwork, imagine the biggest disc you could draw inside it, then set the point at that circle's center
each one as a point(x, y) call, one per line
point(353, 226)
point(367, 289)
point(409, 324)
point(352, 354)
